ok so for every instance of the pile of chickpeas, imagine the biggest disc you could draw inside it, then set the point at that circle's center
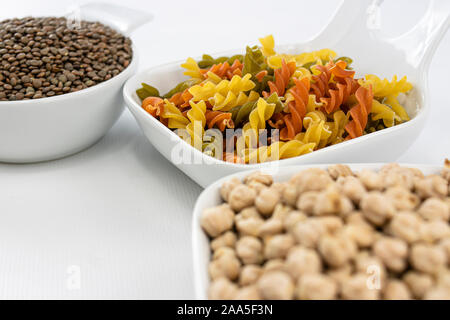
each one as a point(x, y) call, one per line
point(332, 234)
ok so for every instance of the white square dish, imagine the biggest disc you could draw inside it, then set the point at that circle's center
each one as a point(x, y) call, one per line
point(351, 32)
point(210, 197)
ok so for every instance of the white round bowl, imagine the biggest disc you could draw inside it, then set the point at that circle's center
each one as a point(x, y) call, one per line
point(55, 127)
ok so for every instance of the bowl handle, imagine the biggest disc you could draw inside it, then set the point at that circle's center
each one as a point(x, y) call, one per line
point(122, 19)
point(420, 43)
point(361, 16)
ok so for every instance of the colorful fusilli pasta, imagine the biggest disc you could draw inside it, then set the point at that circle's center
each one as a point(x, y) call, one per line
point(275, 105)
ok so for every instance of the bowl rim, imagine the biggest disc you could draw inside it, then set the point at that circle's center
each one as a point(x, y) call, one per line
point(198, 233)
point(129, 69)
point(130, 95)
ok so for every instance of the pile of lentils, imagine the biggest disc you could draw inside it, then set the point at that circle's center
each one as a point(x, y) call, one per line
point(45, 57)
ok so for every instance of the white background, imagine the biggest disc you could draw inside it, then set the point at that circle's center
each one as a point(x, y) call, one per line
point(119, 212)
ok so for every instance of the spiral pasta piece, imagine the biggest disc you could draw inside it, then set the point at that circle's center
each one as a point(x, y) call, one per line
point(275, 61)
point(397, 107)
point(382, 111)
point(282, 76)
point(297, 109)
point(259, 116)
point(219, 119)
point(153, 105)
point(383, 88)
point(320, 82)
point(268, 45)
point(317, 130)
point(226, 103)
point(192, 69)
point(337, 127)
point(339, 95)
point(220, 91)
point(224, 70)
point(360, 112)
point(277, 150)
point(173, 116)
point(197, 118)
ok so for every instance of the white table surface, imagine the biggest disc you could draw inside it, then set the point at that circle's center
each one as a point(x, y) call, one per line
point(117, 216)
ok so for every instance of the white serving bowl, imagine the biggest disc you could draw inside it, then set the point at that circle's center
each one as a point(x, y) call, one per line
point(354, 32)
point(210, 197)
point(55, 127)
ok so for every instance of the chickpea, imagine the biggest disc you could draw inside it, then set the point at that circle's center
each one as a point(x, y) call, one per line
point(341, 274)
point(446, 170)
point(397, 176)
point(270, 228)
point(277, 246)
point(312, 179)
point(427, 258)
point(217, 220)
point(418, 283)
point(438, 293)
point(250, 273)
point(352, 188)
point(389, 167)
point(434, 231)
point(433, 209)
point(356, 289)
point(431, 186)
point(276, 285)
point(331, 202)
point(228, 239)
point(307, 201)
point(339, 170)
point(290, 194)
point(257, 186)
point(377, 208)
point(356, 217)
point(330, 224)
point(402, 199)
point(274, 265)
point(291, 220)
point(372, 266)
point(445, 245)
point(279, 187)
point(227, 187)
point(249, 249)
point(248, 293)
point(241, 197)
point(266, 201)
point(371, 180)
point(362, 235)
point(406, 226)
point(251, 212)
point(224, 264)
point(396, 290)
point(316, 287)
point(443, 278)
point(417, 174)
point(307, 233)
point(302, 261)
point(222, 289)
point(392, 252)
point(260, 177)
point(281, 212)
point(336, 250)
point(248, 222)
